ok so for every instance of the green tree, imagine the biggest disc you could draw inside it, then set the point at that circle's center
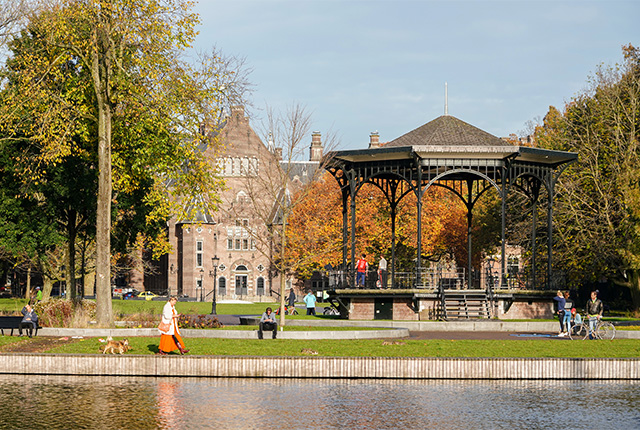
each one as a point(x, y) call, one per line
point(597, 210)
point(135, 96)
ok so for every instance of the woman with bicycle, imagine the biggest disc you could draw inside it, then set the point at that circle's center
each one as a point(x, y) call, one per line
point(594, 310)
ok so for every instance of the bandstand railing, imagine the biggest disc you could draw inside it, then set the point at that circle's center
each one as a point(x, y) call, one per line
point(444, 279)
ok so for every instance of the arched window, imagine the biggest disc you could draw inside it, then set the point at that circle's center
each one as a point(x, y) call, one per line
point(222, 286)
point(260, 286)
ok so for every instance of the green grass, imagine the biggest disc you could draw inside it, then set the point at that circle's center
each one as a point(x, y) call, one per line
point(628, 327)
point(12, 306)
point(536, 348)
point(141, 306)
point(155, 307)
point(6, 340)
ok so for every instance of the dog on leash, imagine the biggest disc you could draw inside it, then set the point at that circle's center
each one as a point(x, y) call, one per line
point(116, 346)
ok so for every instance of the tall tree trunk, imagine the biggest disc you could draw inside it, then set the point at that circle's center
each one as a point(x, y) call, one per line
point(72, 290)
point(283, 278)
point(101, 71)
point(27, 293)
point(103, 224)
point(47, 287)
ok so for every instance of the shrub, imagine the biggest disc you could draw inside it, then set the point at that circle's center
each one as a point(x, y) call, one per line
point(199, 321)
point(65, 313)
point(139, 320)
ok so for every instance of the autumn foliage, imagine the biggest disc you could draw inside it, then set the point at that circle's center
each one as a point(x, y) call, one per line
point(315, 227)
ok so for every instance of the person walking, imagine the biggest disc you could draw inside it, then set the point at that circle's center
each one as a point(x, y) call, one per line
point(568, 305)
point(560, 301)
point(310, 301)
point(361, 270)
point(38, 294)
point(594, 309)
point(382, 271)
point(170, 338)
point(291, 301)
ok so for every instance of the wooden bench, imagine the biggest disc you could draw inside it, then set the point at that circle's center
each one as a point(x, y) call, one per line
point(13, 322)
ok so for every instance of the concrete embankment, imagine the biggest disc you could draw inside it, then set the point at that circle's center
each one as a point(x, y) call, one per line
point(322, 367)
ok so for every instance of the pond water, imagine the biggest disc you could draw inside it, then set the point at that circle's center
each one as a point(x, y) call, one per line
point(55, 402)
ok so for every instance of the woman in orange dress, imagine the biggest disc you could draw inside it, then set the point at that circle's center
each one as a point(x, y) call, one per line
point(170, 340)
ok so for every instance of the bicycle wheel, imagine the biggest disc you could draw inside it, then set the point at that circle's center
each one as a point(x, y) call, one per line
point(606, 331)
point(579, 331)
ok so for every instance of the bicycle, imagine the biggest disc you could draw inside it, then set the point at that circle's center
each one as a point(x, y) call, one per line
point(288, 310)
point(331, 310)
point(603, 330)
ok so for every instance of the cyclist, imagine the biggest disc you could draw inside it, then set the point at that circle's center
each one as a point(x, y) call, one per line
point(594, 310)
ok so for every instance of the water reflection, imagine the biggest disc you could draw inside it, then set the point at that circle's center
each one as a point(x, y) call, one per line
point(144, 403)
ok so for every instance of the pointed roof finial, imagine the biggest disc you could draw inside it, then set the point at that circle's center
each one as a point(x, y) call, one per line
point(446, 100)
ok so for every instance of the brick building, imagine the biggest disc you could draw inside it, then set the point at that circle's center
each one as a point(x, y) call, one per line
point(237, 233)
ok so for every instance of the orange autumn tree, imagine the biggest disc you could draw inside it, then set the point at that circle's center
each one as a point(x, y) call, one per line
point(314, 235)
point(315, 227)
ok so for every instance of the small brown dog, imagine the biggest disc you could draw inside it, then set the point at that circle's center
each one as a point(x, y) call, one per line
point(393, 342)
point(116, 346)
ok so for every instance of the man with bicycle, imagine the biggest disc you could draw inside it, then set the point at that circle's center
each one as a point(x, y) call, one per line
point(594, 310)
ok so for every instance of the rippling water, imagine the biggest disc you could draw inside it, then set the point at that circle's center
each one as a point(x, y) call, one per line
point(192, 403)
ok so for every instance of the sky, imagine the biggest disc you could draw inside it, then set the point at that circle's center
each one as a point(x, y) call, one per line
point(381, 65)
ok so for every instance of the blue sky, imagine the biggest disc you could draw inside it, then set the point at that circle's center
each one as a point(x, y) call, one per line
point(381, 65)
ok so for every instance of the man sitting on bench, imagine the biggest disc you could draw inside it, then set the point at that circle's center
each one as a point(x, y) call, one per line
point(267, 323)
point(29, 320)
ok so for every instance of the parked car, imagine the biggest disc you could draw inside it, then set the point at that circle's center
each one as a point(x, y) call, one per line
point(147, 295)
point(130, 295)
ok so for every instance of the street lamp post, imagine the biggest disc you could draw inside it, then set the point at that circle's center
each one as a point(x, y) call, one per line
point(201, 283)
point(214, 263)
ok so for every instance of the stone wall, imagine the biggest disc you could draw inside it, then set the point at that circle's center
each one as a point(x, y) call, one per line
point(403, 310)
point(323, 367)
point(525, 310)
point(362, 308)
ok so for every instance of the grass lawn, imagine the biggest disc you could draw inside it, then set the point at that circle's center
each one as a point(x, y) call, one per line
point(154, 307)
point(6, 340)
point(618, 348)
point(192, 308)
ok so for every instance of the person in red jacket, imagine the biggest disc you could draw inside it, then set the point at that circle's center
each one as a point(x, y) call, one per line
point(361, 270)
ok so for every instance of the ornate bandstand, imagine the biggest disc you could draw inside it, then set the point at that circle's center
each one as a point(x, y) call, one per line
point(468, 162)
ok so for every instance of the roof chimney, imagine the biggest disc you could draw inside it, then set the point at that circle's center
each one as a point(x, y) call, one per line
point(237, 113)
point(374, 140)
point(315, 152)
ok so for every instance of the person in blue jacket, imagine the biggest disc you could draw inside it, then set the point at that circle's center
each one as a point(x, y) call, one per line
point(29, 320)
point(310, 301)
point(560, 301)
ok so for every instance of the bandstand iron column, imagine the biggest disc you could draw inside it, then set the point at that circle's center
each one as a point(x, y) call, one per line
point(419, 196)
point(469, 205)
point(550, 232)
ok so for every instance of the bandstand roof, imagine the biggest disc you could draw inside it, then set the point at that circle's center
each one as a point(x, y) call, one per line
point(447, 137)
